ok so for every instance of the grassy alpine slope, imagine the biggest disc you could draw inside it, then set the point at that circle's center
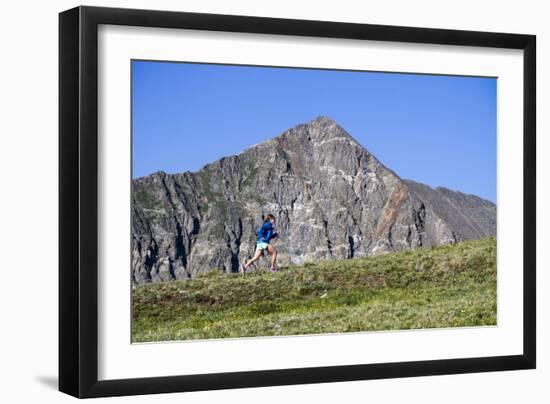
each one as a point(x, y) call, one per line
point(446, 286)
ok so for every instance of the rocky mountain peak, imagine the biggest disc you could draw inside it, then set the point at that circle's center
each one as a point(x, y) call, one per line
point(319, 130)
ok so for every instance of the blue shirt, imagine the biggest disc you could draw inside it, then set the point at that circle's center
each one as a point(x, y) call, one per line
point(265, 232)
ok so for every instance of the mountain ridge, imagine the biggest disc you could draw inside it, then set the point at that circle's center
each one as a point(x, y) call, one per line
point(332, 198)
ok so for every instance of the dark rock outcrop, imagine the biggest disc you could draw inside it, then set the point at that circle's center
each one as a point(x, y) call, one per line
point(331, 197)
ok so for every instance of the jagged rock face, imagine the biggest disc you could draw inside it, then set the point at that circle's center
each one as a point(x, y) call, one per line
point(470, 216)
point(331, 198)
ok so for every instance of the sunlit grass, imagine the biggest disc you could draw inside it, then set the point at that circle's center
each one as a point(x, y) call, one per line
point(447, 286)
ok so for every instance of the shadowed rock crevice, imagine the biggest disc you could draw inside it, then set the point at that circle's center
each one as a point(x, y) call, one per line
point(181, 253)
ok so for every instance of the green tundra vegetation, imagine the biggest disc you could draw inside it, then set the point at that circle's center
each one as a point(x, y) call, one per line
point(444, 286)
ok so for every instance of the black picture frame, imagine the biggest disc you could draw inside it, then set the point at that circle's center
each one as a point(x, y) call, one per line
point(78, 201)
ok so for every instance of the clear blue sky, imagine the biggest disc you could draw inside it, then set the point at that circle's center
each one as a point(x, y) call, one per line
point(439, 130)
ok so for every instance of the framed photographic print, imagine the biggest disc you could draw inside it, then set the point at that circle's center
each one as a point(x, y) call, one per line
point(250, 201)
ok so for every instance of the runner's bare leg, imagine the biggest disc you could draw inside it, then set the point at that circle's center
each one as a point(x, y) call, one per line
point(273, 252)
point(255, 258)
